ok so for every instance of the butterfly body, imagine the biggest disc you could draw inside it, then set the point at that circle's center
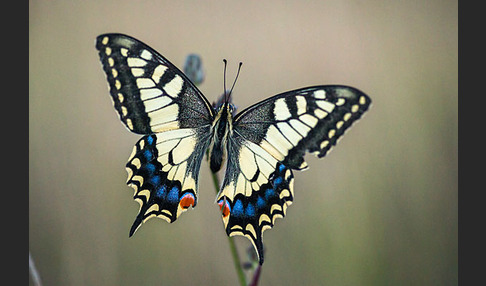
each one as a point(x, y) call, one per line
point(261, 145)
point(221, 131)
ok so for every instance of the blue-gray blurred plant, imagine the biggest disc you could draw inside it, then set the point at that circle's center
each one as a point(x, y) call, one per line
point(193, 68)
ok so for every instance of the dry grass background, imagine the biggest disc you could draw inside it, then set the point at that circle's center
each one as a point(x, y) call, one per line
point(380, 209)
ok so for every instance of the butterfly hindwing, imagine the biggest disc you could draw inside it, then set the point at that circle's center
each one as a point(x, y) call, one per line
point(164, 174)
point(149, 93)
point(257, 190)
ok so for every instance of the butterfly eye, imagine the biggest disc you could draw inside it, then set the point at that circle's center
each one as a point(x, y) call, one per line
point(232, 109)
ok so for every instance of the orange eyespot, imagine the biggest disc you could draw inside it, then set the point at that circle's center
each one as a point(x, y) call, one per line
point(187, 201)
point(224, 208)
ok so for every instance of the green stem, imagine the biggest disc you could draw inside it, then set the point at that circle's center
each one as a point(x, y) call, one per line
point(234, 252)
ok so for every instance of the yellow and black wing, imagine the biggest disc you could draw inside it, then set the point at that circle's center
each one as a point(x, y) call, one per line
point(268, 141)
point(154, 98)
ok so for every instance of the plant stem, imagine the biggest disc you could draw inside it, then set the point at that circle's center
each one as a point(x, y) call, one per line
point(256, 276)
point(234, 252)
point(33, 272)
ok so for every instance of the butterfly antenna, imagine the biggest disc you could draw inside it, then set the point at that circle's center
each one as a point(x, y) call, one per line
point(224, 80)
point(236, 78)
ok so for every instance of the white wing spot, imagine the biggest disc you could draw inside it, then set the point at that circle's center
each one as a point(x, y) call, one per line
point(247, 162)
point(251, 229)
point(120, 97)
point(117, 84)
point(327, 106)
point(362, 100)
point(149, 93)
point(331, 133)
point(136, 62)
point(164, 115)
point(281, 110)
point(157, 103)
point(129, 124)
point(174, 87)
point(285, 193)
point(303, 166)
point(158, 73)
point(183, 150)
point(339, 124)
point(289, 133)
point(146, 55)
point(324, 144)
point(124, 111)
point(138, 72)
point(340, 101)
point(105, 41)
point(320, 94)
point(277, 140)
point(264, 217)
point(300, 127)
point(108, 51)
point(301, 105)
point(124, 52)
point(308, 119)
point(153, 208)
point(354, 108)
point(320, 113)
point(145, 83)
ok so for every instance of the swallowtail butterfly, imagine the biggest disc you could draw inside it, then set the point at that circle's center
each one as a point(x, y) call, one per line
point(261, 145)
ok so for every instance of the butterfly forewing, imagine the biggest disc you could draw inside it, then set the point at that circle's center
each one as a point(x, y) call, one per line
point(150, 94)
point(305, 120)
point(155, 98)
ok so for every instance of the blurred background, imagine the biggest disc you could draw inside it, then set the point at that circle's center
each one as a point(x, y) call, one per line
point(380, 209)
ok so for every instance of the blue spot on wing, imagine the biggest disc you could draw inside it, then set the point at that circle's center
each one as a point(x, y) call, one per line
point(269, 193)
point(160, 193)
point(250, 210)
point(150, 140)
point(281, 168)
point(261, 203)
point(147, 154)
point(150, 167)
point(173, 195)
point(155, 180)
point(238, 208)
point(277, 181)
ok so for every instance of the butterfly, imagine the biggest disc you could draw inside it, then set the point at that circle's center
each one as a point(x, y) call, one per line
point(261, 145)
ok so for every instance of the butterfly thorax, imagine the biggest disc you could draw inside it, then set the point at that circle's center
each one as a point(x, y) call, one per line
point(221, 128)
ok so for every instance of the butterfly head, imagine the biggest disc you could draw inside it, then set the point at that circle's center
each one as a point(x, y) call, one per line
point(222, 103)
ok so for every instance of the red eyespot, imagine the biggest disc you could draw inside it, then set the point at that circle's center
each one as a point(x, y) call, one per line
point(187, 201)
point(224, 207)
